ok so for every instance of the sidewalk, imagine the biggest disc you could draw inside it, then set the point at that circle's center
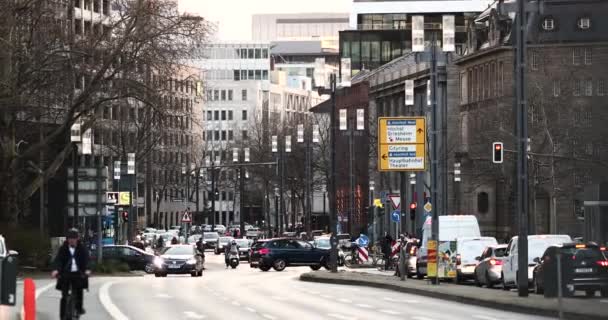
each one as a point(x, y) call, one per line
point(574, 308)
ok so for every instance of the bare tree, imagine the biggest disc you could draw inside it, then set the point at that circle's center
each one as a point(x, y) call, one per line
point(57, 72)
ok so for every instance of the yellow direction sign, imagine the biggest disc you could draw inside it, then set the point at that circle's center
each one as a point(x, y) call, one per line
point(401, 144)
point(124, 198)
point(428, 207)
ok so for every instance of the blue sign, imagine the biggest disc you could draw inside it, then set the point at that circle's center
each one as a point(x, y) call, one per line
point(396, 216)
point(362, 241)
point(383, 195)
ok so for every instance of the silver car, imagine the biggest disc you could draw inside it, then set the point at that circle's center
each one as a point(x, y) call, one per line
point(221, 243)
point(489, 268)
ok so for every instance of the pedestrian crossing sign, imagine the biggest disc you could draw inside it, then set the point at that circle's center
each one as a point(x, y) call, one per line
point(187, 217)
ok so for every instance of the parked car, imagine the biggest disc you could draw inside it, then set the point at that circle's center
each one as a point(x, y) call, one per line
point(244, 247)
point(467, 249)
point(323, 243)
point(284, 252)
point(252, 232)
point(583, 267)
point(450, 228)
point(136, 258)
point(256, 246)
point(489, 268)
point(221, 243)
point(179, 259)
point(220, 229)
point(210, 239)
point(411, 247)
point(207, 228)
point(537, 244)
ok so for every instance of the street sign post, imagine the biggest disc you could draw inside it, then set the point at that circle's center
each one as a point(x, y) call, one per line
point(362, 241)
point(396, 216)
point(395, 201)
point(187, 217)
point(428, 207)
point(401, 144)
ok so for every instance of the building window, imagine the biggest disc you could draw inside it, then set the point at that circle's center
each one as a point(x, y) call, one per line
point(534, 60)
point(556, 88)
point(601, 87)
point(230, 115)
point(577, 88)
point(224, 135)
point(230, 95)
point(264, 53)
point(244, 115)
point(244, 94)
point(576, 56)
point(244, 135)
point(250, 74)
point(224, 115)
point(258, 53)
point(588, 56)
point(230, 135)
point(216, 135)
point(584, 23)
point(237, 75)
point(209, 115)
point(216, 95)
point(264, 74)
point(258, 74)
point(250, 54)
point(230, 196)
point(243, 74)
point(589, 88)
point(216, 115)
point(223, 95)
point(483, 202)
point(548, 24)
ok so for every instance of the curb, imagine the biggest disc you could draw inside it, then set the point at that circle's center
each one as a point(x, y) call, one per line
point(513, 307)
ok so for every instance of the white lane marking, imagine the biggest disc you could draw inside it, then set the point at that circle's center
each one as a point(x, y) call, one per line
point(162, 296)
point(483, 317)
point(338, 316)
point(326, 296)
point(225, 298)
point(252, 310)
point(344, 300)
point(604, 301)
point(363, 305)
point(43, 289)
point(388, 311)
point(106, 302)
point(193, 315)
point(390, 299)
point(279, 298)
point(313, 292)
point(267, 316)
point(410, 301)
point(235, 303)
point(420, 318)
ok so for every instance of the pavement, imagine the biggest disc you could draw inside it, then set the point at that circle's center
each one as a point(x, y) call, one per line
point(246, 293)
point(573, 308)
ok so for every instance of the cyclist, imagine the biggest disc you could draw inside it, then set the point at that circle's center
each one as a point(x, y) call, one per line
point(71, 270)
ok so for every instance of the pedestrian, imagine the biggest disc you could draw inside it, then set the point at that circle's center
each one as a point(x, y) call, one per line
point(174, 241)
point(160, 243)
point(138, 243)
point(386, 249)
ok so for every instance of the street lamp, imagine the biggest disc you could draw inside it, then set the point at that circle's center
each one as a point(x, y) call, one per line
point(309, 139)
point(281, 160)
point(242, 172)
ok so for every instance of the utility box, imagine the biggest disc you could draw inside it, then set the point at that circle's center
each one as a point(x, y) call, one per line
point(596, 213)
point(8, 275)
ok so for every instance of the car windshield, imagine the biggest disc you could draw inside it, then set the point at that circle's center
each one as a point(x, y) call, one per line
point(225, 239)
point(537, 246)
point(243, 243)
point(179, 250)
point(211, 235)
point(500, 252)
point(322, 243)
point(472, 249)
point(584, 253)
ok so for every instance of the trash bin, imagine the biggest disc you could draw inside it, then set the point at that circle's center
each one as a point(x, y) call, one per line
point(8, 280)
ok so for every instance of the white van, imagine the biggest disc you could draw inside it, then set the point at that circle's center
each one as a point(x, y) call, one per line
point(450, 228)
point(537, 244)
point(467, 249)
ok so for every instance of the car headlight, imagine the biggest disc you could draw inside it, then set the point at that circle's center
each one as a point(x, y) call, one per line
point(158, 262)
point(191, 261)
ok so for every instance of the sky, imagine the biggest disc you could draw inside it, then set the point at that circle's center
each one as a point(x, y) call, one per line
point(234, 16)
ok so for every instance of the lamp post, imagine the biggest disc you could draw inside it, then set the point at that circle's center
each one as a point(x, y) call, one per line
point(75, 139)
point(133, 180)
point(241, 173)
point(309, 135)
point(281, 160)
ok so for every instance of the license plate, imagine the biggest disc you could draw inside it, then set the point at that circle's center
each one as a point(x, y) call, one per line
point(583, 270)
point(173, 266)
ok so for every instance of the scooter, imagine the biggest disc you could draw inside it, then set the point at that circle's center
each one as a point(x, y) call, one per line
point(233, 260)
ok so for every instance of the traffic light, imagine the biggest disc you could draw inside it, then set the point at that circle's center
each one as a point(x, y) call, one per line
point(125, 216)
point(413, 211)
point(497, 152)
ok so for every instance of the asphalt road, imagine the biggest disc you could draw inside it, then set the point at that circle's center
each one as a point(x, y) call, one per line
point(247, 293)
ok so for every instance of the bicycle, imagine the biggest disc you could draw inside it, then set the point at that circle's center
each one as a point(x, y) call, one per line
point(71, 311)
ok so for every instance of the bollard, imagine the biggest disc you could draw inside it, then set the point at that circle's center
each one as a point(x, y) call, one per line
point(559, 285)
point(29, 299)
point(402, 257)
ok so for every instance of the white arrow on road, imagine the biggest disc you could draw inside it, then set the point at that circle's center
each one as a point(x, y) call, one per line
point(193, 315)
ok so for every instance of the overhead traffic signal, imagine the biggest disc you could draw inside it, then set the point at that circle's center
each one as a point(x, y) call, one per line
point(125, 216)
point(413, 211)
point(497, 152)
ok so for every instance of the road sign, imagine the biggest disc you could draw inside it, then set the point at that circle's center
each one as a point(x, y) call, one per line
point(402, 144)
point(111, 197)
point(124, 198)
point(362, 241)
point(363, 254)
point(187, 217)
point(396, 216)
point(431, 258)
point(383, 195)
point(428, 207)
point(395, 201)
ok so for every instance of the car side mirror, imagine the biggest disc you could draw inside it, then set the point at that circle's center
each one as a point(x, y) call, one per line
point(537, 260)
point(13, 253)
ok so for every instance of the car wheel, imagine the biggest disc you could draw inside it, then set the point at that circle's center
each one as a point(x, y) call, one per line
point(264, 268)
point(419, 275)
point(149, 268)
point(158, 275)
point(537, 287)
point(458, 279)
point(315, 268)
point(589, 293)
point(279, 265)
point(489, 283)
point(216, 252)
point(502, 280)
point(200, 273)
point(477, 282)
point(164, 275)
point(194, 274)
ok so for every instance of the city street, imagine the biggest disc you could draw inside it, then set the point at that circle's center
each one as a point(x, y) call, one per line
point(247, 293)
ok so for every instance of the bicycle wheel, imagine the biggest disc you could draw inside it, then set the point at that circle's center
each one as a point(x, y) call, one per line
point(348, 260)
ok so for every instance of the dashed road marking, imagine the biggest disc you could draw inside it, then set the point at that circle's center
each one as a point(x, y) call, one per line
point(252, 310)
point(267, 316)
point(162, 296)
point(390, 299)
point(325, 296)
point(363, 305)
point(388, 311)
point(106, 302)
point(344, 300)
point(279, 298)
point(193, 315)
point(338, 316)
point(313, 292)
point(483, 317)
point(420, 318)
point(235, 303)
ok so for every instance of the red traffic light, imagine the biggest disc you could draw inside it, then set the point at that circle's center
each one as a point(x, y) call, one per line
point(413, 205)
point(498, 146)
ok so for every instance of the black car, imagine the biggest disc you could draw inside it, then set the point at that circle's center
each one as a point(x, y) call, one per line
point(136, 258)
point(180, 259)
point(281, 253)
point(584, 267)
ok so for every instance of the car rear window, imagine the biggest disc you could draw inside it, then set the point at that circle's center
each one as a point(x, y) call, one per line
point(500, 252)
point(584, 253)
